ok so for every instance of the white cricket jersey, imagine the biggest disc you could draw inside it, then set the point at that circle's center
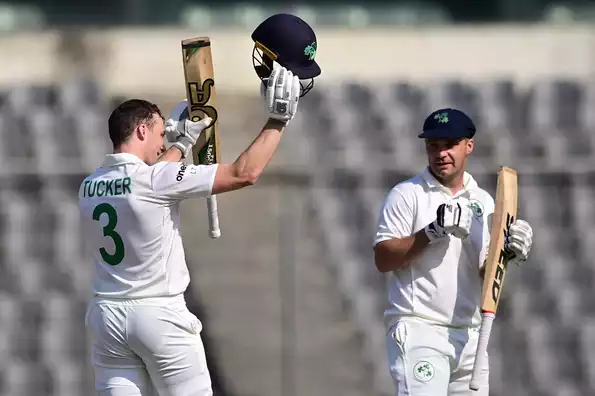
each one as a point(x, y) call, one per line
point(442, 284)
point(131, 224)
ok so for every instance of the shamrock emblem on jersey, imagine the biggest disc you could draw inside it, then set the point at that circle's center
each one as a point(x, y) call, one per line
point(423, 371)
point(476, 208)
point(442, 118)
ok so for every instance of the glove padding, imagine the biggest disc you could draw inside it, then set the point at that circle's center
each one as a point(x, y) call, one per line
point(184, 134)
point(518, 242)
point(452, 218)
point(282, 94)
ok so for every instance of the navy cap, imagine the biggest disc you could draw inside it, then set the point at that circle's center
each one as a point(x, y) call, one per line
point(289, 41)
point(447, 124)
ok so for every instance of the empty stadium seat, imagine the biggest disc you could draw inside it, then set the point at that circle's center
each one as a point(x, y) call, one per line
point(15, 378)
point(587, 349)
point(70, 378)
point(496, 102)
point(93, 138)
point(75, 94)
point(21, 100)
point(45, 277)
point(409, 97)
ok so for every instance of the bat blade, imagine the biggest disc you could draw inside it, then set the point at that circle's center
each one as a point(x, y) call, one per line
point(200, 92)
point(504, 215)
point(496, 264)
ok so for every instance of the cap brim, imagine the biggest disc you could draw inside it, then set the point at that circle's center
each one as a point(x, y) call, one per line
point(440, 134)
point(303, 72)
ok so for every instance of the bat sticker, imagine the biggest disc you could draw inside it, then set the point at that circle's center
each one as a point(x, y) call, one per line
point(502, 260)
point(199, 96)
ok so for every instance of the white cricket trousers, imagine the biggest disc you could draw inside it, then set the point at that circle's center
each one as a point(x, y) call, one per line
point(147, 347)
point(430, 360)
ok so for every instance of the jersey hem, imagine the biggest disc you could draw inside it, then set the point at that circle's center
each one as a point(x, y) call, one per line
point(391, 320)
point(149, 300)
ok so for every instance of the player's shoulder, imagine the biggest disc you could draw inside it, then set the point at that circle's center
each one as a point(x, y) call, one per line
point(115, 180)
point(165, 170)
point(91, 176)
point(406, 190)
point(482, 194)
point(409, 186)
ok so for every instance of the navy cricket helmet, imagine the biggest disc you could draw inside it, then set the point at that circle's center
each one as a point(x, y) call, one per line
point(289, 41)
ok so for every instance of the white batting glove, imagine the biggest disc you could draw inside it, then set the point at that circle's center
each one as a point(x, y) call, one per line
point(452, 218)
point(282, 94)
point(184, 134)
point(519, 241)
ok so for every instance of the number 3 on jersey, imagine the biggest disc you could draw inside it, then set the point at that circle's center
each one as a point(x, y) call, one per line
point(109, 230)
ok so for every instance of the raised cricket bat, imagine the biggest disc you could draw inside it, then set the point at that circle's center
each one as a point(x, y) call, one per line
point(200, 93)
point(495, 268)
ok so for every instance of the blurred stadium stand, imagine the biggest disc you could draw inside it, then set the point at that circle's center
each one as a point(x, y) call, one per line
point(544, 336)
point(289, 297)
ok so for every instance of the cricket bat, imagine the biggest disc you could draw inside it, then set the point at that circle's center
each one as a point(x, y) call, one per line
point(505, 213)
point(200, 93)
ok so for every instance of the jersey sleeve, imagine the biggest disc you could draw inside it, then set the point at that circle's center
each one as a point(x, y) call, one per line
point(177, 180)
point(396, 216)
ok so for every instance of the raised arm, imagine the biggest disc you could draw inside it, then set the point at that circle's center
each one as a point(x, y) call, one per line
point(281, 97)
point(172, 154)
point(247, 168)
point(176, 180)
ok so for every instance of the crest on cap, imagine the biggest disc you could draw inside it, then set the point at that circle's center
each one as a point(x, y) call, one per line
point(442, 118)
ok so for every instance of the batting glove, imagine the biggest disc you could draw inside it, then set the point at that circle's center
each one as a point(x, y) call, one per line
point(282, 94)
point(519, 241)
point(452, 218)
point(184, 134)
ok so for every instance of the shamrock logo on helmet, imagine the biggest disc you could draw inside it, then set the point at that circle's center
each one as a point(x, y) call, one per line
point(310, 51)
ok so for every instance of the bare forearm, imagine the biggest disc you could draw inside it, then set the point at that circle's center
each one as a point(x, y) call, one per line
point(396, 254)
point(172, 154)
point(252, 162)
point(246, 170)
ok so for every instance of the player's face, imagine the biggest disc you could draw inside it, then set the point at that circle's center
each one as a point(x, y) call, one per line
point(155, 145)
point(447, 158)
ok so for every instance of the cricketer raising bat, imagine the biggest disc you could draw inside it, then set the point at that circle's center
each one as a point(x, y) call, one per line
point(200, 93)
point(495, 268)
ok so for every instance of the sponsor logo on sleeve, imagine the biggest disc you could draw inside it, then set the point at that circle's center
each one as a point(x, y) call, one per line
point(181, 172)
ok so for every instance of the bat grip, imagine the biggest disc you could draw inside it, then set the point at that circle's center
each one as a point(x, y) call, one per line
point(487, 318)
point(214, 230)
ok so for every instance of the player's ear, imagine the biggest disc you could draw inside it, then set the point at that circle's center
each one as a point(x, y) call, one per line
point(141, 132)
point(470, 146)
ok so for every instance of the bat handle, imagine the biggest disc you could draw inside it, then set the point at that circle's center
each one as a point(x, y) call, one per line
point(214, 230)
point(481, 361)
